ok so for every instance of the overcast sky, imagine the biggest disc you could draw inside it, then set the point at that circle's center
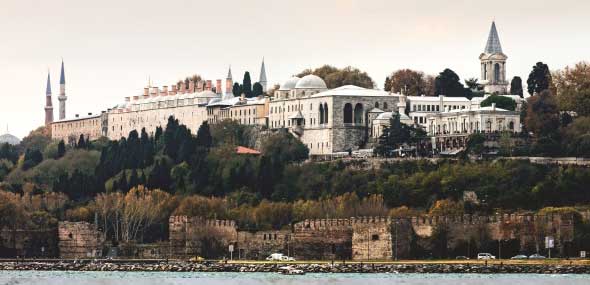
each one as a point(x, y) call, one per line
point(111, 48)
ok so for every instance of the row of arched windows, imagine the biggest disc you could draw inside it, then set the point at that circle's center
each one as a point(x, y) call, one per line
point(353, 115)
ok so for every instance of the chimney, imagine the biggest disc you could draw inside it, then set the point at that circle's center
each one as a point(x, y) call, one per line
point(200, 86)
point(174, 90)
point(165, 90)
point(146, 91)
point(191, 86)
point(208, 87)
point(127, 99)
point(182, 88)
point(135, 98)
point(493, 106)
point(218, 86)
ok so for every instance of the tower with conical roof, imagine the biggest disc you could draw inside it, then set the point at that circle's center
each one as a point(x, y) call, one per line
point(62, 93)
point(493, 64)
point(48, 104)
point(262, 79)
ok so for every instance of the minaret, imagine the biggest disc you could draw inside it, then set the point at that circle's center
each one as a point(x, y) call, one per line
point(229, 82)
point(493, 64)
point(48, 104)
point(62, 93)
point(262, 79)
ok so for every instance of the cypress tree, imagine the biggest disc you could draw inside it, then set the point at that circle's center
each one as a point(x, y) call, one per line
point(204, 138)
point(237, 89)
point(247, 85)
point(61, 149)
point(257, 89)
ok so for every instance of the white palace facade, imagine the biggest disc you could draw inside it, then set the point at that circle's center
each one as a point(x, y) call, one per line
point(326, 120)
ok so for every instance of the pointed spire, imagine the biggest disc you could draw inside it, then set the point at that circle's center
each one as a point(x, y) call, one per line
point(62, 77)
point(262, 72)
point(48, 89)
point(229, 73)
point(493, 44)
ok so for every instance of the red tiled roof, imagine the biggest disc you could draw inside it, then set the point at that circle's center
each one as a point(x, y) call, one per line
point(245, 150)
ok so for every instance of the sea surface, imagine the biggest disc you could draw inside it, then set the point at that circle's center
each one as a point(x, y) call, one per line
point(202, 278)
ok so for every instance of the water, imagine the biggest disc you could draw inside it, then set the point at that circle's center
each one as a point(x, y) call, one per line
point(202, 278)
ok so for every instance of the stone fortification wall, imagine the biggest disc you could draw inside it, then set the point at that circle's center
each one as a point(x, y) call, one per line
point(79, 240)
point(323, 239)
point(28, 243)
point(259, 245)
point(363, 238)
point(197, 236)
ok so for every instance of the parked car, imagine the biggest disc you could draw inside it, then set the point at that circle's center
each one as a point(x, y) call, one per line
point(520, 256)
point(287, 258)
point(536, 256)
point(485, 255)
point(461, 257)
point(275, 257)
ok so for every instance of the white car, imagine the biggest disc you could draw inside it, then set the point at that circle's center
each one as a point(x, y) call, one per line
point(485, 256)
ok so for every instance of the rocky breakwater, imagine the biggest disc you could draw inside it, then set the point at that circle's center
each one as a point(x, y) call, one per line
point(309, 268)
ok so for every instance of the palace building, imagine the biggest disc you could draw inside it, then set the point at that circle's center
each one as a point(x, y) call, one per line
point(326, 120)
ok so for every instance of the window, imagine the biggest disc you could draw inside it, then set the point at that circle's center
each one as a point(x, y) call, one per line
point(348, 113)
point(376, 104)
point(325, 113)
point(375, 237)
point(358, 113)
point(321, 114)
point(497, 72)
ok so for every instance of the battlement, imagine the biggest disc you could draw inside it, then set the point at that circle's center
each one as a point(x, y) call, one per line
point(326, 224)
point(200, 221)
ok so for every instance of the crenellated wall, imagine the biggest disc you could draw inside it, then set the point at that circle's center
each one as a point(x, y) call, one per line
point(197, 236)
point(360, 238)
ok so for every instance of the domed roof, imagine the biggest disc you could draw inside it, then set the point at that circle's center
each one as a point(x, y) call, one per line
point(289, 84)
point(310, 82)
point(10, 139)
point(214, 100)
point(385, 116)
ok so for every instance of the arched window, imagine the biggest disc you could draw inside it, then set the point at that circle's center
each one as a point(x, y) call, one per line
point(325, 113)
point(385, 106)
point(376, 104)
point(485, 72)
point(511, 126)
point(358, 113)
point(321, 114)
point(489, 126)
point(348, 113)
point(497, 72)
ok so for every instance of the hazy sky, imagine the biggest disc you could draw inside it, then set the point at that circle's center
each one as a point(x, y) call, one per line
point(111, 47)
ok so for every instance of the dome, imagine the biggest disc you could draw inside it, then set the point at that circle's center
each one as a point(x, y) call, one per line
point(214, 100)
point(310, 82)
point(289, 84)
point(385, 116)
point(10, 139)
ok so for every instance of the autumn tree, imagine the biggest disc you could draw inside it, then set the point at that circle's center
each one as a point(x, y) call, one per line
point(543, 119)
point(573, 88)
point(407, 81)
point(336, 77)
